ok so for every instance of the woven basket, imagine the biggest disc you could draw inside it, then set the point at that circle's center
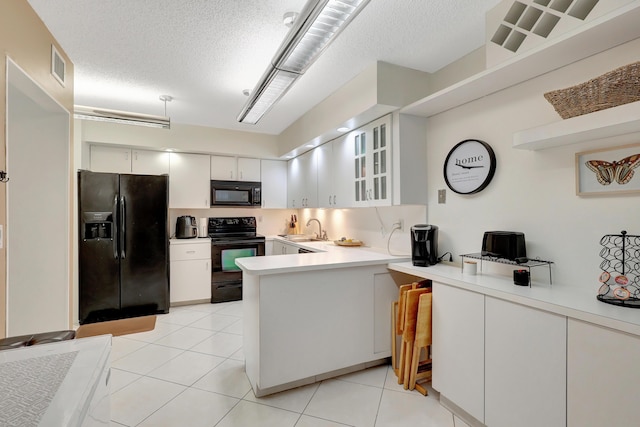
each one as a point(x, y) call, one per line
point(617, 87)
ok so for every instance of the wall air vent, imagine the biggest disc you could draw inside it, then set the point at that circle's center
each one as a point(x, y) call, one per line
point(513, 27)
point(58, 65)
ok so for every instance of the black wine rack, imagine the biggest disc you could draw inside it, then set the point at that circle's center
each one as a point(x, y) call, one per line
point(620, 276)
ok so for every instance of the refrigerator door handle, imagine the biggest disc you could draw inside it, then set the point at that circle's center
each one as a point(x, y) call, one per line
point(114, 213)
point(123, 215)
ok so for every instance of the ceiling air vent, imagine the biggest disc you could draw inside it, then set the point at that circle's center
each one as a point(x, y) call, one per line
point(58, 65)
point(538, 17)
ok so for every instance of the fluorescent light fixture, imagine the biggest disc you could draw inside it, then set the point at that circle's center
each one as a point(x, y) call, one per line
point(313, 30)
point(115, 116)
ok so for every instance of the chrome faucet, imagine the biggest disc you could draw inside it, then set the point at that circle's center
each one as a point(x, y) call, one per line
point(320, 236)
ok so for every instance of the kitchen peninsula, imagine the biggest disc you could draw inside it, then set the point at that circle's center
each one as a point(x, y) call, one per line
point(316, 315)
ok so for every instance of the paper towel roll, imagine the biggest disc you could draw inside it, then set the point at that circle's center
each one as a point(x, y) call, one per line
point(203, 229)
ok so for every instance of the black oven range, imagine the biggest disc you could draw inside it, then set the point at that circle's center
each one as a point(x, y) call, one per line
point(231, 238)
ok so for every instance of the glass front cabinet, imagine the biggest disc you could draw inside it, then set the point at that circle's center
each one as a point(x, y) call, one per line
point(372, 157)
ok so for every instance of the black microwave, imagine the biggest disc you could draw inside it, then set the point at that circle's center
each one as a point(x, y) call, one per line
point(236, 193)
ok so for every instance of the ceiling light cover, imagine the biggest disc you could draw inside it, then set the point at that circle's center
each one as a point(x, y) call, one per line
point(273, 87)
point(317, 25)
point(115, 116)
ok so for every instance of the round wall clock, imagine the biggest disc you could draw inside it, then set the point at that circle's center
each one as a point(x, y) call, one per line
point(469, 166)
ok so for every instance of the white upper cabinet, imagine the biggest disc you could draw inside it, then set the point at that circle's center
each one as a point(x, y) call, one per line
point(110, 159)
point(127, 160)
point(149, 162)
point(248, 169)
point(302, 179)
point(335, 172)
point(273, 175)
point(372, 172)
point(224, 168)
point(235, 168)
point(189, 183)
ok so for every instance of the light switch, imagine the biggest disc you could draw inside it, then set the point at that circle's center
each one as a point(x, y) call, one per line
point(442, 197)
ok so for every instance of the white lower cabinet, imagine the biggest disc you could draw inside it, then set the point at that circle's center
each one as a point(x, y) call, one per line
point(190, 277)
point(603, 378)
point(458, 347)
point(525, 366)
point(282, 248)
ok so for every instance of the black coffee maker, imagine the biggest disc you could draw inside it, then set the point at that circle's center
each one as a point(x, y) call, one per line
point(424, 245)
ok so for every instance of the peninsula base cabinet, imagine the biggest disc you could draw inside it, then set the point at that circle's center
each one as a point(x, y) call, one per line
point(501, 363)
point(603, 378)
point(525, 366)
point(303, 327)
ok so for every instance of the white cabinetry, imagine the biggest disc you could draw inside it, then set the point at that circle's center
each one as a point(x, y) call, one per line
point(273, 175)
point(312, 323)
point(335, 172)
point(525, 366)
point(385, 291)
point(372, 172)
point(189, 182)
point(190, 270)
point(282, 248)
point(302, 179)
point(127, 160)
point(235, 168)
point(458, 347)
point(603, 379)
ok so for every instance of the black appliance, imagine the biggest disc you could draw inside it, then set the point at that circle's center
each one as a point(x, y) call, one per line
point(424, 245)
point(123, 246)
point(231, 238)
point(504, 244)
point(186, 227)
point(236, 193)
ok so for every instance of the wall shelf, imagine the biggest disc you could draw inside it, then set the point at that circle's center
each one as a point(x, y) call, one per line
point(607, 31)
point(600, 124)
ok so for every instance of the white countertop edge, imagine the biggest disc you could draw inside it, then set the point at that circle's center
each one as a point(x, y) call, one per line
point(327, 255)
point(571, 301)
point(176, 241)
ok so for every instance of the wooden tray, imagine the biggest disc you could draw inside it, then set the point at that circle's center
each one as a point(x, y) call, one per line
point(345, 243)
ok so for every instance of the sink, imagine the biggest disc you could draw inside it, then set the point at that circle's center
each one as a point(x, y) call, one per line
point(300, 238)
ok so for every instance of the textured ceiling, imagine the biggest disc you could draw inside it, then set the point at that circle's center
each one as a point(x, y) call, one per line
point(127, 53)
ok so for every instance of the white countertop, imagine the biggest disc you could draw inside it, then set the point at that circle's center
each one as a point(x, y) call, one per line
point(329, 256)
point(578, 302)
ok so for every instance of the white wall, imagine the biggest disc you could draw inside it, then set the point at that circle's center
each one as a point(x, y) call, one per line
point(371, 225)
point(532, 191)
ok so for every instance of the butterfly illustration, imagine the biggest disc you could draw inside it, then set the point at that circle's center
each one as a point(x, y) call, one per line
point(620, 171)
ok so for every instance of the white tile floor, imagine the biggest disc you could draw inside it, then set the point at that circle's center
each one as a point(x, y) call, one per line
point(190, 371)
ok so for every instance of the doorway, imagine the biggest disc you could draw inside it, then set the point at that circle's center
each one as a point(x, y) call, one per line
point(38, 208)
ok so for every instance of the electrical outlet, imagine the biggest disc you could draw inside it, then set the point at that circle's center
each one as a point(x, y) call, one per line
point(399, 224)
point(442, 196)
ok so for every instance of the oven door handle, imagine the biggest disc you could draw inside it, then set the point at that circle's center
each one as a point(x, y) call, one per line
point(237, 242)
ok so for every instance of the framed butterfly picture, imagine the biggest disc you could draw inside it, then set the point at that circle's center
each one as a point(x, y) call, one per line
point(608, 170)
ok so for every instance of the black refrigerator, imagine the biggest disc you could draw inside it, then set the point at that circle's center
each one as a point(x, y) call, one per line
point(124, 245)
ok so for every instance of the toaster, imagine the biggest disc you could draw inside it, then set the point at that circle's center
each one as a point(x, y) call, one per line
point(504, 244)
